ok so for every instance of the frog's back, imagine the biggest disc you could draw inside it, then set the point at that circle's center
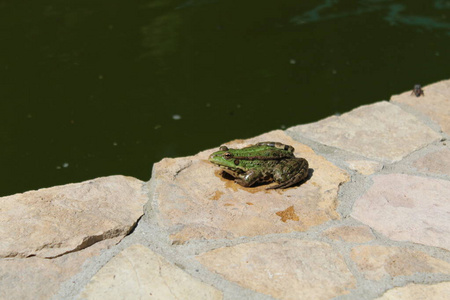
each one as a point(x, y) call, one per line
point(263, 152)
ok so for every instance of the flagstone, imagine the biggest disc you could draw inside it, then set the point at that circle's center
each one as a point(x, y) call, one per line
point(435, 103)
point(407, 208)
point(36, 278)
point(350, 234)
point(413, 291)
point(437, 162)
point(139, 273)
point(53, 221)
point(376, 261)
point(284, 268)
point(194, 201)
point(380, 131)
point(365, 167)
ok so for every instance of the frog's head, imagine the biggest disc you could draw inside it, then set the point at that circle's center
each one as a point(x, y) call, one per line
point(225, 159)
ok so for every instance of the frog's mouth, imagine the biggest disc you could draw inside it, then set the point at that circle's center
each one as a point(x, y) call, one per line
point(231, 171)
point(234, 169)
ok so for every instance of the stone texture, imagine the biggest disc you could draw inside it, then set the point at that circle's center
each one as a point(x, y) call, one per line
point(407, 208)
point(40, 278)
point(350, 234)
point(435, 104)
point(437, 162)
point(375, 262)
point(284, 269)
point(365, 167)
point(194, 201)
point(380, 131)
point(438, 291)
point(53, 221)
point(139, 273)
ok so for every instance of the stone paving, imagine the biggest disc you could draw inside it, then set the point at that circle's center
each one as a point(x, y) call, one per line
point(372, 220)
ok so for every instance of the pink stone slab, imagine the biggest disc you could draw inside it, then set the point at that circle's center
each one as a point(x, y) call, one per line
point(407, 208)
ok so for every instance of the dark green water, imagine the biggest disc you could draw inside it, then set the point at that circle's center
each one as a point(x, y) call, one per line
point(95, 88)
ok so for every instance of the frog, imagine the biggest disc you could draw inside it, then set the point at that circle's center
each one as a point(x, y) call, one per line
point(262, 163)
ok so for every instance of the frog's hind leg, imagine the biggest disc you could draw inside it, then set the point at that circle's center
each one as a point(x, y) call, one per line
point(286, 177)
point(283, 185)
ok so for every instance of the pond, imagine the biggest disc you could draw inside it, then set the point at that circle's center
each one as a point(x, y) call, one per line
point(96, 88)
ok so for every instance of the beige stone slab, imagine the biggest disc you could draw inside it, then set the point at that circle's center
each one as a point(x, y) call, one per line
point(36, 278)
point(194, 201)
point(139, 273)
point(350, 234)
point(435, 104)
point(407, 208)
point(380, 131)
point(53, 221)
point(412, 291)
point(437, 162)
point(284, 269)
point(375, 262)
point(365, 167)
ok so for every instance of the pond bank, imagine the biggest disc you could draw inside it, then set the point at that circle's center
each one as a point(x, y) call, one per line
point(371, 221)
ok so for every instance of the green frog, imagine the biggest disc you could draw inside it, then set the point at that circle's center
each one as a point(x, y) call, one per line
point(262, 163)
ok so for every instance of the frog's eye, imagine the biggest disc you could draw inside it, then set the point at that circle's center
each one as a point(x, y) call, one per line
point(223, 148)
point(228, 155)
point(236, 162)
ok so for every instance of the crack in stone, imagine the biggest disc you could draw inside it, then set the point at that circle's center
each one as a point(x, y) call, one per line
point(182, 169)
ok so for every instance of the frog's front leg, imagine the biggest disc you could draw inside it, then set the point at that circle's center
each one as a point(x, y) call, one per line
point(249, 178)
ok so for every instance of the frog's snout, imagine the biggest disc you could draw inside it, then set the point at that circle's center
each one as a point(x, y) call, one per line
point(212, 156)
